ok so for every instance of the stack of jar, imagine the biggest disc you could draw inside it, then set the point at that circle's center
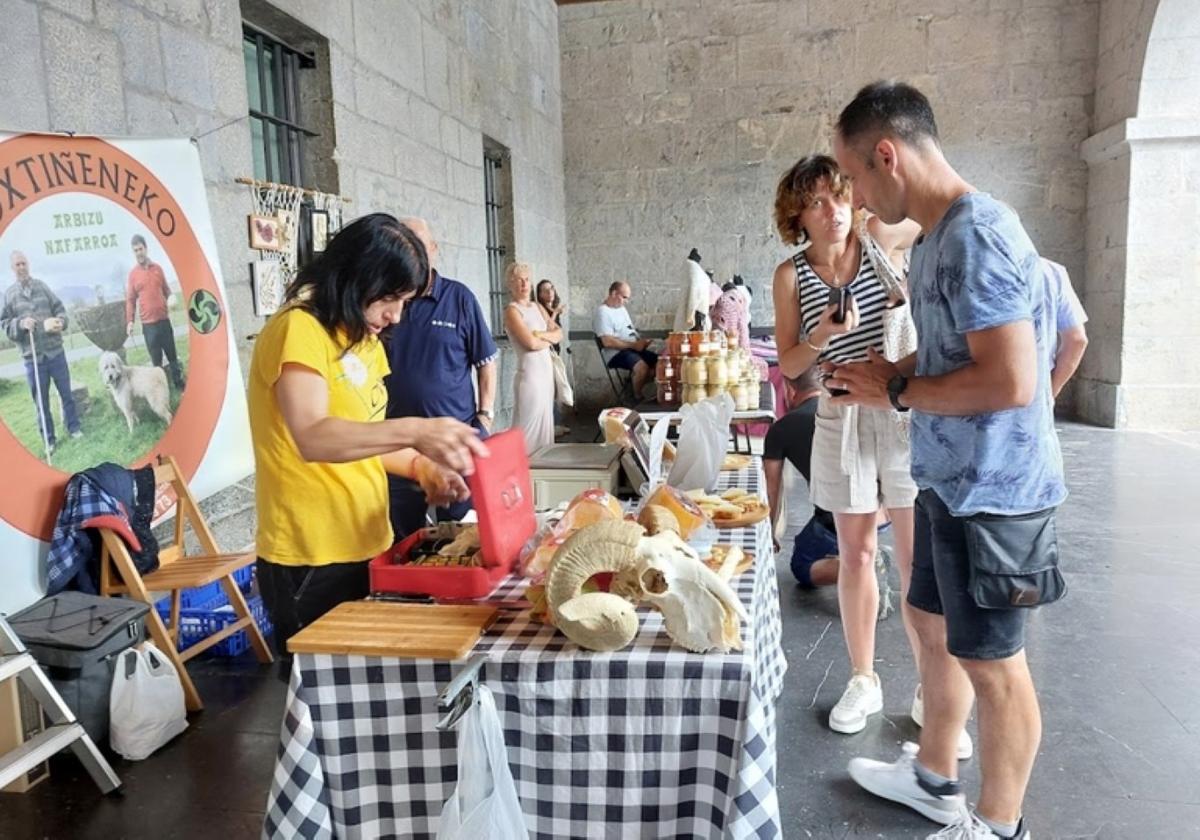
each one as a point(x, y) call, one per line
point(698, 365)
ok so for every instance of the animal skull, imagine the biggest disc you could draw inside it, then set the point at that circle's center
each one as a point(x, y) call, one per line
point(701, 610)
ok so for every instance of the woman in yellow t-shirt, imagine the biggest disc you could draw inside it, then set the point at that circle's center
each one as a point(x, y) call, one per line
point(321, 442)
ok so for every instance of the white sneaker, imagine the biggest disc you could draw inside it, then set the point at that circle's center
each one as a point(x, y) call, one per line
point(965, 748)
point(898, 782)
point(970, 827)
point(862, 698)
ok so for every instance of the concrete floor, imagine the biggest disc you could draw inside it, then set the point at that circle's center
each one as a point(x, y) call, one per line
point(1117, 665)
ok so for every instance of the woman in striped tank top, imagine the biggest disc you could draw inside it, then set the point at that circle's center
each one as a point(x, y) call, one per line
point(860, 457)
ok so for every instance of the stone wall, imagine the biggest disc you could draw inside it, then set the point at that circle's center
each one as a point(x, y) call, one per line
point(415, 86)
point(680, 115)
point(1142, 369)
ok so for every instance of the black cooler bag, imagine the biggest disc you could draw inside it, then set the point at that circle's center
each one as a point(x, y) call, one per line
point(75, 638)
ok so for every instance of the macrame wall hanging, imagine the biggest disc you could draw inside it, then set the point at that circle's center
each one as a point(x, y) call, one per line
point(288, 227)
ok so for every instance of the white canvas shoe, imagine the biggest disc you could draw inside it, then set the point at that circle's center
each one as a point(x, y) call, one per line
point(970, 827)
point(897, 782)
point(965, 748)
point(862, 698)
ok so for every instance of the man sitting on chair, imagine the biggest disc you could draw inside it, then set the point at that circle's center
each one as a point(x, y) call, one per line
point(621, 347)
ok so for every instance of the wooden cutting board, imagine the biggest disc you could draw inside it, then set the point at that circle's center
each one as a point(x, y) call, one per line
point(380, 628)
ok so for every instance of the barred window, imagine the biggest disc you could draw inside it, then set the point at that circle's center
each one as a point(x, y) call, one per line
point(497, 205)
point(278, 134)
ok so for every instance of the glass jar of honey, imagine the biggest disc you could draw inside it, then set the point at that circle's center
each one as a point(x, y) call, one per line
point(718, 371)
point(695, 371)
point(675, 342)
point(664, 369)
point(668, 392)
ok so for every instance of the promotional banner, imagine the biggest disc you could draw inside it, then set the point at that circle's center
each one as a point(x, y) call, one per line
point(115, 342)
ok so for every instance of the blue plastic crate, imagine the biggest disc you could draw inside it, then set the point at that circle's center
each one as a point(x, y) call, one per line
point(244, 577)
point(199, 623)
point(203, 596)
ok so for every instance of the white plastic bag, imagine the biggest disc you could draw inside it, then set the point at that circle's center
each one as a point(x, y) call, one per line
point(485, 802)
point(564, 394)
point(703, 438)
point(145, 706)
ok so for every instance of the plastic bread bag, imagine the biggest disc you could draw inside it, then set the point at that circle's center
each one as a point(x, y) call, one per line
point(590, 506)
point(703, 438)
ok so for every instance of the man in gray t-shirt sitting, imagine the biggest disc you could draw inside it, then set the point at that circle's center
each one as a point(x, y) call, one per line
point(620, 345)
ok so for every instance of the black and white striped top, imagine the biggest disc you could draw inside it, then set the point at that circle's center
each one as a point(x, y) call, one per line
point(868, 294)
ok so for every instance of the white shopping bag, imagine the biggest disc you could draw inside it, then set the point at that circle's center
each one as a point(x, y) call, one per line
point(564, 394)
point(145, 705)
point(485, 803)
point(703, 438)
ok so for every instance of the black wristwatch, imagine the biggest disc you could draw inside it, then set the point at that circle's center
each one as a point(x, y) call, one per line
point(895, 388)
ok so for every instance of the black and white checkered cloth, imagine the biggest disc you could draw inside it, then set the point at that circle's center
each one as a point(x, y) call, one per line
point(648, 742)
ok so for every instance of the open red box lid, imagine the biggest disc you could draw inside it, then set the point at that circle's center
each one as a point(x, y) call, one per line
point(502, 493)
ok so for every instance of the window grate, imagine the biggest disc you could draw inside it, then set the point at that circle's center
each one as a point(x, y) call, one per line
point(493, 162)
point(277, 132)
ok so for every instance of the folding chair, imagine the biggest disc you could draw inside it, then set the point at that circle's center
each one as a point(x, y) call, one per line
point(178, 570)
point(620, 379)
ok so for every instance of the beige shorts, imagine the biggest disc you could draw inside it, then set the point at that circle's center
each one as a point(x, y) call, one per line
point(860, 460)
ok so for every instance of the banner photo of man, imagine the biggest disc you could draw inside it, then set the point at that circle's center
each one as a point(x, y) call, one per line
point(114, 337)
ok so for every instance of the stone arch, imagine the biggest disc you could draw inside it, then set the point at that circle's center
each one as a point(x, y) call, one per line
point(1142, 287)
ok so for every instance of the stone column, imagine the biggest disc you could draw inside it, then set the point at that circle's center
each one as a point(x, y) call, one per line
point(1142, 369)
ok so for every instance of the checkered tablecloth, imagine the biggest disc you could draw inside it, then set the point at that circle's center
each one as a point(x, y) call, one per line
point(647, 742)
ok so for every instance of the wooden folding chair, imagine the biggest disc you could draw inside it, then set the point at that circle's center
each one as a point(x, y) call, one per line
point(178, 570)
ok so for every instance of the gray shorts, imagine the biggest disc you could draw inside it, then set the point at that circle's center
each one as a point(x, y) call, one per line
point(940, 585)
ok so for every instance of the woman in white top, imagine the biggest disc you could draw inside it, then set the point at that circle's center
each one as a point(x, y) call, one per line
point(860, 458)
point(532, 332)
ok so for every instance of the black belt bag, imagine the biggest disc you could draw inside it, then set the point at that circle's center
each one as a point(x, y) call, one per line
point(1014, 560)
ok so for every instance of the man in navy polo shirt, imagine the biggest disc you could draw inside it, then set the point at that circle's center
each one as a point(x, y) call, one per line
point(441, 338)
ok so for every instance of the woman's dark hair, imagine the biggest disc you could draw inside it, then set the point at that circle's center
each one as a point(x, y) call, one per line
point(538, 293)
point(888, 108)
point(372, 258)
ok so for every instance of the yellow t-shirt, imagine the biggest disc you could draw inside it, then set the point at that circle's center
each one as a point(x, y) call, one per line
point(314, 514)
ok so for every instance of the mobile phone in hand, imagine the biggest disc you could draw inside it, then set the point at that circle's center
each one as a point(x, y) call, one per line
point(839, 296)
point(836, 392)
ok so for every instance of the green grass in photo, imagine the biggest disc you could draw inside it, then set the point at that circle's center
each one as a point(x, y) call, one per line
point(106, 436)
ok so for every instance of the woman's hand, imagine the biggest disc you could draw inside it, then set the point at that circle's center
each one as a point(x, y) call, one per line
point(441, 486)
point(828, 329)
point(447, 442)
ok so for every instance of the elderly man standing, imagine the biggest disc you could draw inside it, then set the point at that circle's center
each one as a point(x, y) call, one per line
point(622, 347)
point(34, 318)
point(442, 338)
point(146, 294)
point(984, 453)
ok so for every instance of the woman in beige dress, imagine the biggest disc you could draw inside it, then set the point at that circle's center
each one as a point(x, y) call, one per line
point(532, 333)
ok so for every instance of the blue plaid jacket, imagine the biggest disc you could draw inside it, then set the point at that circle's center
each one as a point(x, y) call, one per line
point(105, 490)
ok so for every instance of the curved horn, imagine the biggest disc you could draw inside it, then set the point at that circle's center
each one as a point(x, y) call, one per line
point(598, 621)
point(595, 620)
point(603, 547)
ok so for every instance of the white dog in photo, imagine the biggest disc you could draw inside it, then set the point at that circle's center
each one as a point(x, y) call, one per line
point(128, 381)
